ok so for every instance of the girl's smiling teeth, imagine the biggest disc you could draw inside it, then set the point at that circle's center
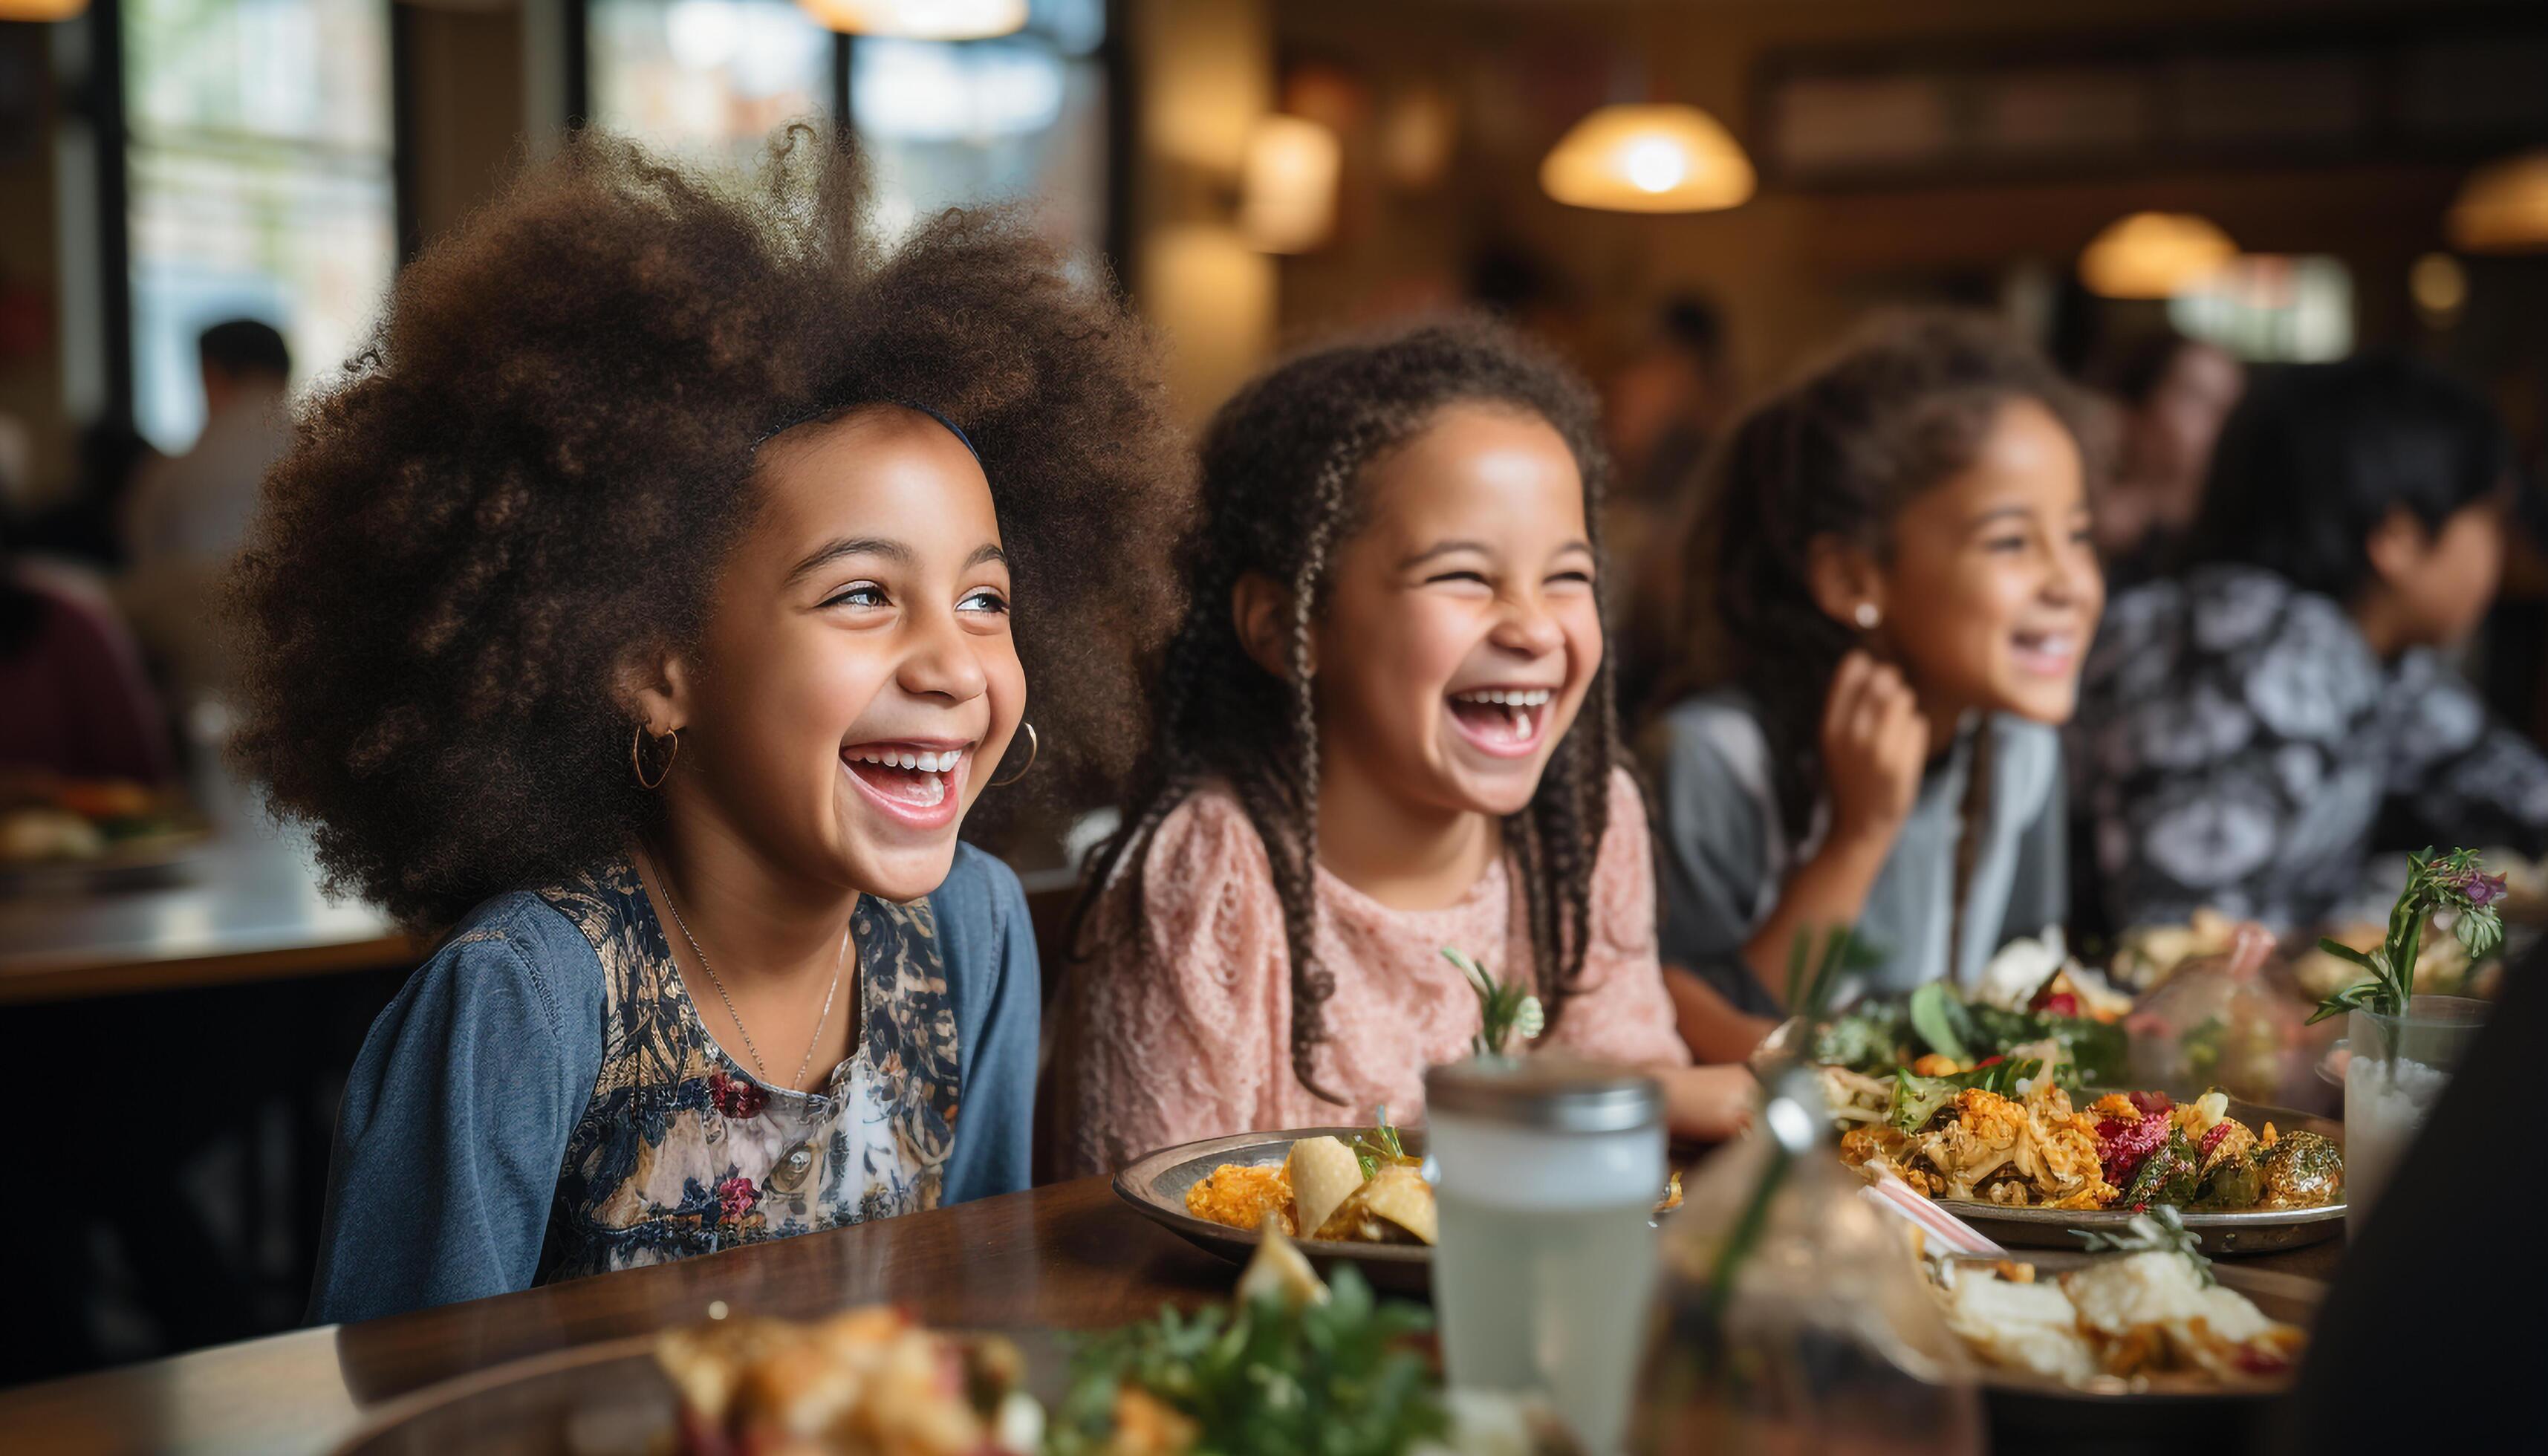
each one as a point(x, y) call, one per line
point(2053, 653)
point(1505, 721)
point(912, 781)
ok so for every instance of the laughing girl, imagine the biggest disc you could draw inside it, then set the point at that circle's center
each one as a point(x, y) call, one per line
point(644, 615)
point(1901, 565)
point(1383, 729)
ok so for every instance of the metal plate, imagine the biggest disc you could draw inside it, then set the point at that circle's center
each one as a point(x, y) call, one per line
point(2249, 1231)
point(1157, 1185)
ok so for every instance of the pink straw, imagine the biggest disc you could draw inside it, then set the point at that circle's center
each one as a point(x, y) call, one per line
point(1890, 1192)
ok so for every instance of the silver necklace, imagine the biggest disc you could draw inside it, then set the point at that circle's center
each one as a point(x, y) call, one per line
point(717, 981)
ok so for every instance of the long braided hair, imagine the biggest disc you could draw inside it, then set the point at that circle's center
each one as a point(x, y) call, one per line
point(1904, 405)
point(1281, 463)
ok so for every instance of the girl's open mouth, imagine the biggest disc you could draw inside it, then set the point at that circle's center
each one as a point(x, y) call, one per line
point(1506, 722)
point(2046, 654)
point(922, 786)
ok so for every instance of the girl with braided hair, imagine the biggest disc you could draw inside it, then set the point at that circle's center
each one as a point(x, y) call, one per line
point(1383, 729)
point(1898, 545)
point(636, 617)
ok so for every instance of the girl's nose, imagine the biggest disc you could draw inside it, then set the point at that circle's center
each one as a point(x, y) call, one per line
point(1526, 627)
point(942, 662)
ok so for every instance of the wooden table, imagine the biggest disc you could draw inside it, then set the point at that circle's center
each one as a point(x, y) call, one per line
point(246, 908)
point(1068, 1256)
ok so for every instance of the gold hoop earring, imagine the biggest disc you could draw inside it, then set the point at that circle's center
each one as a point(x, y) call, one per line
point(1035, 746)
point(639, 769)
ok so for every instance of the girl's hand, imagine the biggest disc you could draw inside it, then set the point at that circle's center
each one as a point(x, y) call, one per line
point(1708, 1104)
point(1875, 743)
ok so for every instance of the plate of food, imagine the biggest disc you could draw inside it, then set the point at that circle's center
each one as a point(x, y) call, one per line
point(1291, 1364)
point(52, 829)
point(2007, 1148)
point(1355, 1194)
point(2144, 1342)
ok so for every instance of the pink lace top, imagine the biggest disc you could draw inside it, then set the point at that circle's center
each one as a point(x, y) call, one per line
point(1183, 1030)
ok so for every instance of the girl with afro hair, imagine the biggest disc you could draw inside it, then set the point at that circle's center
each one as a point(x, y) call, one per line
point(642, 613)
point(1383, 729)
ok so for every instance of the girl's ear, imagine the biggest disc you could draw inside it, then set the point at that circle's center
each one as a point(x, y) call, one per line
point(1261, 611)
point(655, 683)
point(1846, 585)
point(2398, 545)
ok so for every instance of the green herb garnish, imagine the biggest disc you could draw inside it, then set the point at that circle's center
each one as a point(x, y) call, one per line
point(1916, 1099)
point(1341, 1378)
point(1380, 1146)
point(2156, 1230)
point(2456, 883)
point(1506, 1009)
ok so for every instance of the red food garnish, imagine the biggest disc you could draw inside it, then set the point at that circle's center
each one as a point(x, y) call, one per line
point(1988, 1061)
point(2211, 1139)
point(2152, 1104)
point(2262, 1362)
point(2059, 1003)
point(2122, 1146)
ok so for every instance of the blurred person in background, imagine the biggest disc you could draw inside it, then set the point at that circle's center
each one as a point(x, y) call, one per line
point(2251, 734)
point(78, 704)
point(88, 527)
point(1662, 407)
point(2174, 395)
point(190, 512)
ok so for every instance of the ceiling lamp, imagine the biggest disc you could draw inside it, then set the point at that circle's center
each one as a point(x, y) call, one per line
point(41, 9)
point(918, 20)
point(2155, 256)
point(2504, 207)
point(1648, 159)
point(1287, 186)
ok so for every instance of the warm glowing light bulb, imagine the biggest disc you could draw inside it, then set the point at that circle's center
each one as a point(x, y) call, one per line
point(920, 20)
point(1287, 190)
point(2155, 256)
point(1648, 159)
point(2504, 207)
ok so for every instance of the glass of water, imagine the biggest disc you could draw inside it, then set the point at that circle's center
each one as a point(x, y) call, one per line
point(1547, 1174)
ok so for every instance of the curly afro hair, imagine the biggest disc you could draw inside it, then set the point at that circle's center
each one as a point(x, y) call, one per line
point(535, 468)
point(1282, 464)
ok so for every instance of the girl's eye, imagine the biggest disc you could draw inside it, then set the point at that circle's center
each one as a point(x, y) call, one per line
point(1478, 577)
point(2005, 544)
point(1574, 578)
point(862, 593)
point(986, 600)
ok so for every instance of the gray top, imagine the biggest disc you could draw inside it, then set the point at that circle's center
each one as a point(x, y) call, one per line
point(1727, 853)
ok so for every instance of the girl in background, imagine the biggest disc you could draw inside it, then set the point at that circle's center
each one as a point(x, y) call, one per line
point(1383, 729)
point(2255, 732)
point(646, 611)
point(1902, 574)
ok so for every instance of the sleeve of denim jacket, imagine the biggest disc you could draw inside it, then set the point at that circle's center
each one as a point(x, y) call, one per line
point(456, 1118)
point(994, 981)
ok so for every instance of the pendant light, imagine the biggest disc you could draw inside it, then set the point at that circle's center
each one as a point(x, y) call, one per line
point(2155, 256)
point(920, 20)
point(1647, 158)
point(41, 10)
point(2504, 207)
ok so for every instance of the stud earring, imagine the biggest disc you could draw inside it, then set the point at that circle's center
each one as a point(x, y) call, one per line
point(1867, 616)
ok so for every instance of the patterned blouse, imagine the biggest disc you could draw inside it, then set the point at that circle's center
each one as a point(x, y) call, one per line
point(541, 1100)
point(2240, 747)
point(682, 1152)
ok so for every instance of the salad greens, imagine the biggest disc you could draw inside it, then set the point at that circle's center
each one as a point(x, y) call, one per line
point(1273, 1378)
point(2159, 1230)
point(1878, 1037)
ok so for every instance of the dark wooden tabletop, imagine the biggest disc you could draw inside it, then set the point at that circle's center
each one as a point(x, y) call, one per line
point(1068, 1256)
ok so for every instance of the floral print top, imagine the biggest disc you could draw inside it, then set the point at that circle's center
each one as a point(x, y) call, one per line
point(682, 1152)
point(2240, 747)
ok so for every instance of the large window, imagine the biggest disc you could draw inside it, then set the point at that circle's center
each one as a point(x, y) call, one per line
point(259, 184)
point(944, 122)
point(708, 80)
point(950, 123)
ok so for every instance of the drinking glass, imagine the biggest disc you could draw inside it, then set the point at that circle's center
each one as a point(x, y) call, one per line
point(2395, 1071)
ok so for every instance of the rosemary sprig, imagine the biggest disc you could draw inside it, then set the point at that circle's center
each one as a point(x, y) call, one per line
point(2455, 882)
point(2156, 1230)
point(1506, 1009)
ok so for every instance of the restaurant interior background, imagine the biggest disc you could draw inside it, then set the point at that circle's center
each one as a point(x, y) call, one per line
point(2365, 175)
